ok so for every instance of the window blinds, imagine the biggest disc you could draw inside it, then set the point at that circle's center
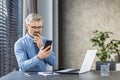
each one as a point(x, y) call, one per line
point(10, 31)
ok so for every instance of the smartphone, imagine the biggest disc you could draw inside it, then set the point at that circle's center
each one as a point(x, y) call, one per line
point(48, 43)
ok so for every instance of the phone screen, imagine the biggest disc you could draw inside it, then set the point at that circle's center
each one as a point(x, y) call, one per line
point(48, 43)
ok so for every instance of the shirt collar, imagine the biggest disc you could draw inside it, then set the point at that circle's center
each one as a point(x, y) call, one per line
point(28, 36)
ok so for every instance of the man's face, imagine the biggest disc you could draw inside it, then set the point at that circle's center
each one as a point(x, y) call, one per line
point(34, 28)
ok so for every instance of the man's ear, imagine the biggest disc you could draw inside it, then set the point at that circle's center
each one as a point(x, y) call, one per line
point(26, 26)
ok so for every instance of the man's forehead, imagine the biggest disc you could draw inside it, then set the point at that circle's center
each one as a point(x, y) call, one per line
point(36, 23)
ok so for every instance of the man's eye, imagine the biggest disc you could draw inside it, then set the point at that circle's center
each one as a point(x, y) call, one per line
point(35, 27)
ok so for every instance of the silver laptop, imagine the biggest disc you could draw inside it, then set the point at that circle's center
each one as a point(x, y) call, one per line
point(86, 65)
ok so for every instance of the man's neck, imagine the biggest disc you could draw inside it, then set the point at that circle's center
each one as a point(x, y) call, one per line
point(30, 34)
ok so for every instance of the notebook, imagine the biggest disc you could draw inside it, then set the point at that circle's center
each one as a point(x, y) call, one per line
point(86, 65)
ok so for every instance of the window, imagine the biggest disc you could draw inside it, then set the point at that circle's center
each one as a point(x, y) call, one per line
point(10, 31)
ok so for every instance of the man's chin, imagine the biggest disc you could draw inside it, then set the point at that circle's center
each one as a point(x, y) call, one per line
point(36, 34)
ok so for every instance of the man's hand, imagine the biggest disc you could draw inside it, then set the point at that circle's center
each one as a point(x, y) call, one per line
point(44, 53)
point(38, 40)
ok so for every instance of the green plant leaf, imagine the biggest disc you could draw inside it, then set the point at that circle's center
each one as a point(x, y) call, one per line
point(105, 49)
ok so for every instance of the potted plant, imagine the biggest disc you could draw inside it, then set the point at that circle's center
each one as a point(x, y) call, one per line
point(105, 48)
point(114, 47)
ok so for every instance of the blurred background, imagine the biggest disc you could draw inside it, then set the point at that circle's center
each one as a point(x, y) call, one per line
point(69, 23)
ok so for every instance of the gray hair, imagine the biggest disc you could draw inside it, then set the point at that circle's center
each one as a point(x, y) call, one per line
point(33, 17)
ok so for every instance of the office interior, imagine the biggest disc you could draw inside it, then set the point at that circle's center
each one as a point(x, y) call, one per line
point(69, 23)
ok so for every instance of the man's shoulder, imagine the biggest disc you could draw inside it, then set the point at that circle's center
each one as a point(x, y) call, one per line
point(21, 40)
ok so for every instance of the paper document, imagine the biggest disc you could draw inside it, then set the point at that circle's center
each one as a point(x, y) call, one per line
point(47, 73)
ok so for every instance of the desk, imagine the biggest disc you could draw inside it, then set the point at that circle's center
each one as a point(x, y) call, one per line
point(92, 75)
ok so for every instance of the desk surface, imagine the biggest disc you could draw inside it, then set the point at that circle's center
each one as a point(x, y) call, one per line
point(92, 75)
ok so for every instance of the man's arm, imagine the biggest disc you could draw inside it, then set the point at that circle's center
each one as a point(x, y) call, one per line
point(22, 58)
point(51, 59)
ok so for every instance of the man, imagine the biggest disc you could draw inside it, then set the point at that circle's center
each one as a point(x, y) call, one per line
point(29, 50)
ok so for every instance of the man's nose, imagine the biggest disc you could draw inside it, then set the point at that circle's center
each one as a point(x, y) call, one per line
point(37, 30)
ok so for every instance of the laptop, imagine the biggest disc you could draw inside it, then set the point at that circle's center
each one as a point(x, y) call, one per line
point(86, 65)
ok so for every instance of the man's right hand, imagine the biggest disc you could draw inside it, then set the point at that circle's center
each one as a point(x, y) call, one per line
point(44, 53)
point(38, 40)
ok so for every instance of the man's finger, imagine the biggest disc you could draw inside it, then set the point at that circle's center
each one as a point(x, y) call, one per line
point(47, 48)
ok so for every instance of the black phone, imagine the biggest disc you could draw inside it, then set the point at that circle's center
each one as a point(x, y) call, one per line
point(48, 43)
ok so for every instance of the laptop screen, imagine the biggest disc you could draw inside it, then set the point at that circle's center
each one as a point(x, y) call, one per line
point(88, 61)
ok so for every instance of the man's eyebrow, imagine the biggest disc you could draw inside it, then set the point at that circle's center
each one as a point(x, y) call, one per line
point(36, 26)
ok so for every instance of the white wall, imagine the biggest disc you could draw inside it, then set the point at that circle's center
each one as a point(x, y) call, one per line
point(44, 8)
